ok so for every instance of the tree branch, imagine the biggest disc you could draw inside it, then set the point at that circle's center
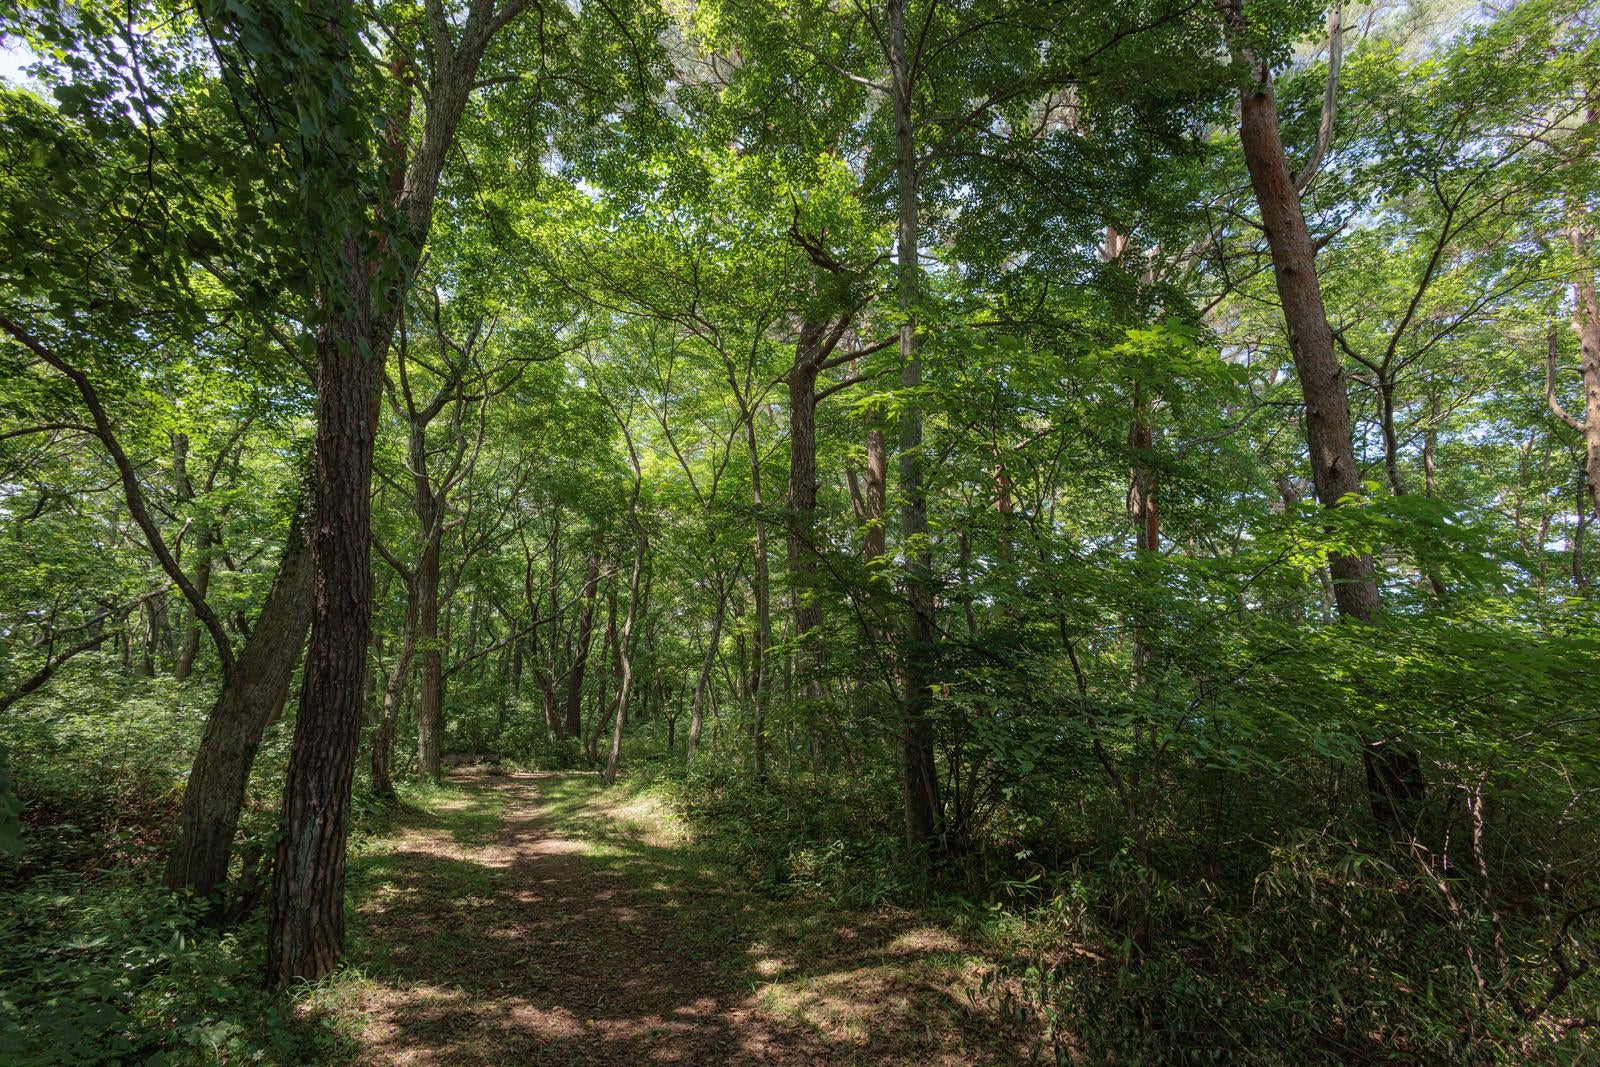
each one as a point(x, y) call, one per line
point(133, 495)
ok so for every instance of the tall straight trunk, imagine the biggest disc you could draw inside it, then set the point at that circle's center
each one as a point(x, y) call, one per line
point(305, 936)
point(625, 647)
point(548, 677)
point(1586, 323)
point(922, 804)
point(761, 590)
point(608, 646)
point(1393, 771)
point(393, 693)
point(307, 919)
point(1334, 472)
point(189, 649)
point(703, 678)
point(215, 791)
point(1391, 436)
point(876, 541)
point(189, 643)
point(430, 704)
point(802, 502)
point(580, 657)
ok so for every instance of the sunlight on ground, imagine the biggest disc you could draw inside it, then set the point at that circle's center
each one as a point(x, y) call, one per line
point(543, 918)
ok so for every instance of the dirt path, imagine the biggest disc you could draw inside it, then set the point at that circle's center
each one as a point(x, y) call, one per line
point(510, 941)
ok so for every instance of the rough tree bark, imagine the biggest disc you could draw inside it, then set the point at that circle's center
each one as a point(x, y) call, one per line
point(306, 921)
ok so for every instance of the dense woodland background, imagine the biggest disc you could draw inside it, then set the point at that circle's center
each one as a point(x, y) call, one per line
point(1121, 472)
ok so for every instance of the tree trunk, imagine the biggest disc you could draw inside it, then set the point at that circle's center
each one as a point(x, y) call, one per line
point(1394, 773)
point(624, 647)
point(1586, 321)
point(306, 926)
point(1334, 472)
point(189, 650)
point(703, 679)
point(876, 540)
point(307, 919)
point(923, 806)
point(602, 718)
point(215, 791)
point(803, 499)
point(189, 646)
point(580, 658)
point(761, 589)
point(393, 692)
point(430, 705)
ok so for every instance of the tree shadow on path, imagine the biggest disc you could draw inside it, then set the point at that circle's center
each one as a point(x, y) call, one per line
point(564, 939)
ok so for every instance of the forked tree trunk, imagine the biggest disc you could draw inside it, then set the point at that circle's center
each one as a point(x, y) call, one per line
point(305, 936)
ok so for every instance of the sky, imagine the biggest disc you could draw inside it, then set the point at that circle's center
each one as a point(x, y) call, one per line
point(14, 55)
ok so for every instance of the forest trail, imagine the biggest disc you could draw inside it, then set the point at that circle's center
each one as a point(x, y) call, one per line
point(537, 918)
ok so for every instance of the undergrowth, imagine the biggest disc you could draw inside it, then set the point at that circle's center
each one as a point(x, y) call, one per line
point(1328, 952)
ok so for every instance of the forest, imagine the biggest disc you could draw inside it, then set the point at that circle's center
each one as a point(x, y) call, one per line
point(799, 531)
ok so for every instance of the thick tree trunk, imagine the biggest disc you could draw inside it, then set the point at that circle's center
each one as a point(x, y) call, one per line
point(923, 807)
point(215, 791)
point(307, 920)
point(306, 926)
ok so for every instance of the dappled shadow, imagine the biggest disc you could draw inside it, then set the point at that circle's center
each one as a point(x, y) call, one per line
point(566, 941)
